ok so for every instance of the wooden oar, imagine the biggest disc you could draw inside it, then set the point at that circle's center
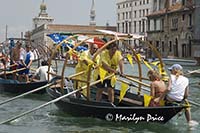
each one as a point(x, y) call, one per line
point(10, 72)
point(194, 103)
point(131, 84)
point(190, 72)
point(52, 101)
point(8, 67)
point(24, 94)
point(41, 106)
point(132, 79)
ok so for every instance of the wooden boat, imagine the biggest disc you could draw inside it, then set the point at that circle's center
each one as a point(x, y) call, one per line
point(16, 87)
point(131, 109)
point(195, 73)
point(183, 62)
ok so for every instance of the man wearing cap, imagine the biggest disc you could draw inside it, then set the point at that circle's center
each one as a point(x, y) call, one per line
point(178, 89)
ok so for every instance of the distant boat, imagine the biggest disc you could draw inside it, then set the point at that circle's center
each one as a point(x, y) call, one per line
point(183, 62)
point(16, 87)
point(194, 72)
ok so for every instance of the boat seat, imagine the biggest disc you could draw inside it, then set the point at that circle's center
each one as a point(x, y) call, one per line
point(125, 99)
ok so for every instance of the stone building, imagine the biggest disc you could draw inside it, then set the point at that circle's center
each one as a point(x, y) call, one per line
point(131, 16)
point(173, 28)
point(43, 25)
point(43, 17)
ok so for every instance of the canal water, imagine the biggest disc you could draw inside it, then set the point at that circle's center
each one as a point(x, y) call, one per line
point(50, 120)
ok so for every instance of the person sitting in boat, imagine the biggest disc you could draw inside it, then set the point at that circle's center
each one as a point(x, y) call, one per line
point(84, 60)
point(158, 87)
point(178, 89)
point(15, 57)
point(29, 57)
point(110, 59)
point(41, 73)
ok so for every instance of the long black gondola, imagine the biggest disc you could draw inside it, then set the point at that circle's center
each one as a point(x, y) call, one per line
point(131, 109)
point(16, 87)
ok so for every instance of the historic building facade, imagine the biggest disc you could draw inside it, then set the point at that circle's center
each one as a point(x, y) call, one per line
point(131, 16)
point(43, 25)
point(173, 27)
point(43, 17)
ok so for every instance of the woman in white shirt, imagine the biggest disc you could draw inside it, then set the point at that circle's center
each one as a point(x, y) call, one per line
point(178, 89)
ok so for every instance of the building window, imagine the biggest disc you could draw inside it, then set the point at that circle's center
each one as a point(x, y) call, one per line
point(130, 25)
point(174, 23)
point(143, 25)
point(147, 11)
point(123, 15)
point(118, 27)
point(147, 1)
point(139, 26)
point(135, 14)
point(118, 16)
point(170, 46)
point(162, 24)
point(190, 19)
point(155, 5)
point(148, 23)
point(135, 26)
point(139, 13)
point(155, 25)
point(163, 46)
point(143, 12)
point(126, 15)
point(122, 27)
point(183, 2)
point(183, 17)
point(126, 27)
point(118, 6)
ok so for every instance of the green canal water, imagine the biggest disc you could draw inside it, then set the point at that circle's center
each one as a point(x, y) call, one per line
point(50, 120)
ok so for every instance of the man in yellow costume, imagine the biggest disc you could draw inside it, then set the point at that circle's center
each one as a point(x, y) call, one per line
point(84, 61)
point(110, 59)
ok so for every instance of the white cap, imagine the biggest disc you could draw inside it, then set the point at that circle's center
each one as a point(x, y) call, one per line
point(175, 67)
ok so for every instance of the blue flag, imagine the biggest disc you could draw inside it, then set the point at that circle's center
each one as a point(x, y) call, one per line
point(57, 38)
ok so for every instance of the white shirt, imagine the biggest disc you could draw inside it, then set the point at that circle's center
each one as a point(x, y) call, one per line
point(178, 87)
point(42, 73)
